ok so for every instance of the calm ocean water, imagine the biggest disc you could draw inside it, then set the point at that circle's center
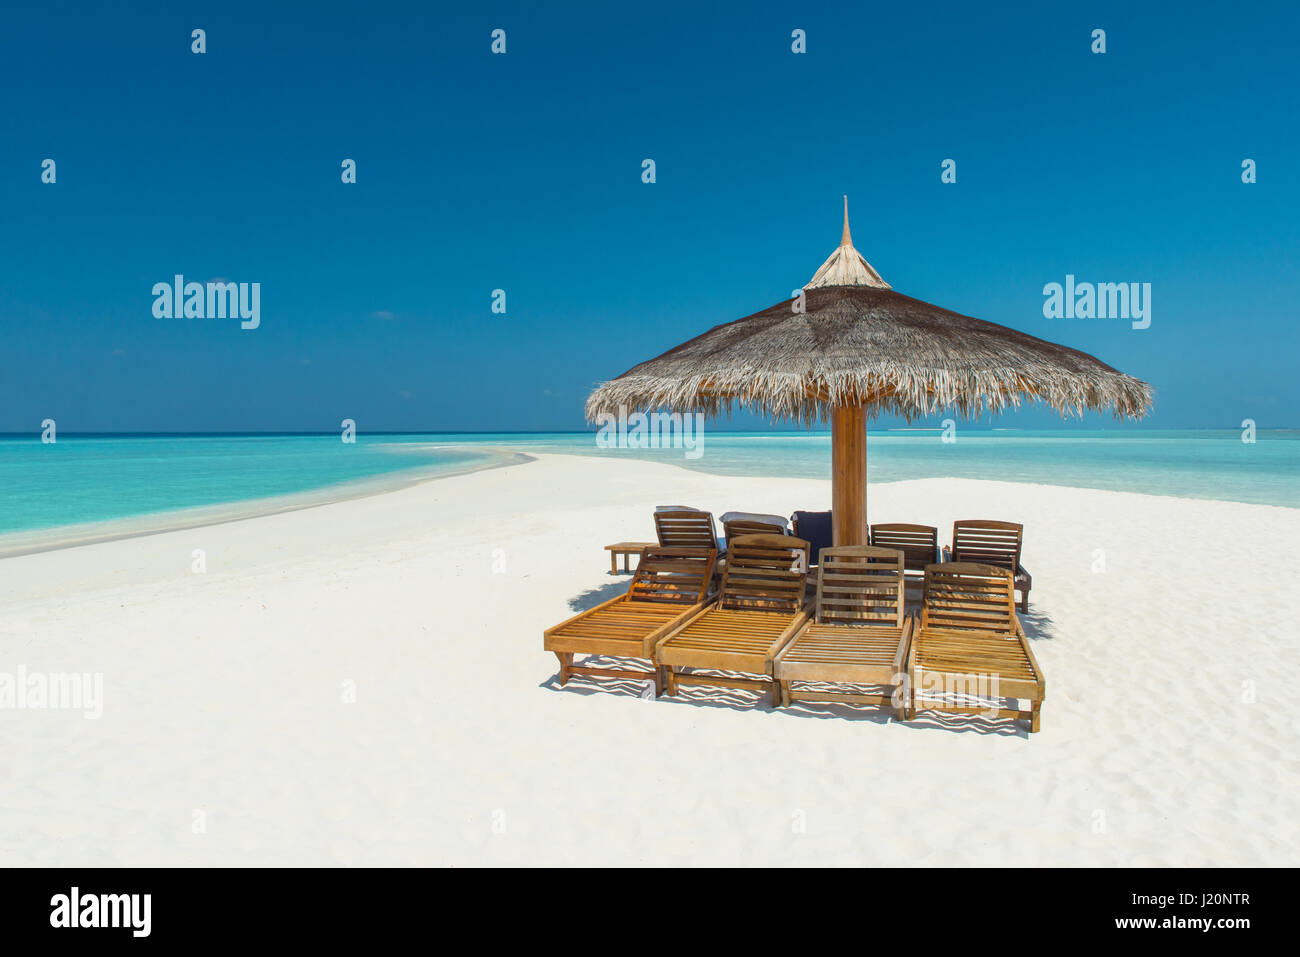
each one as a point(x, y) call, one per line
point(82, 479)
point(1194, 464)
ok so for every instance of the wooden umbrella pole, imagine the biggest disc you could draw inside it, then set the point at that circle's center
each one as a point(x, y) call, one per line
point(849, 475)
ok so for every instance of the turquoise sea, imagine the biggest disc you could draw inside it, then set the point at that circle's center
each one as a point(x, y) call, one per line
point(94, 479)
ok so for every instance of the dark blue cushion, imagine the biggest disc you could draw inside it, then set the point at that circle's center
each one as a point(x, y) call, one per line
point(815, 529)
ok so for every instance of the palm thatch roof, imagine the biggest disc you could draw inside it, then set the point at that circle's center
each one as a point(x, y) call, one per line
point(858, 342)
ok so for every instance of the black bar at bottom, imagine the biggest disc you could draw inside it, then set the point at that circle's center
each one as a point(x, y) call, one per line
point(928, 906)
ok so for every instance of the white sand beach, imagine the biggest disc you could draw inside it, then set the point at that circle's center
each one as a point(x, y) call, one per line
point(1168, 730)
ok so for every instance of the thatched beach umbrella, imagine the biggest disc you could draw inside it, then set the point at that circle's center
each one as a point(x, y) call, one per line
point(849, 348)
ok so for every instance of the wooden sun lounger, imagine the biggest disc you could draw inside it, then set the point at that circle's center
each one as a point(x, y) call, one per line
point(992, 543)
point(686, 529)
point(670, 585)
point(760, 608)
point(970, 645)
point(859, 635)
point(919, 545)
point(738, 528)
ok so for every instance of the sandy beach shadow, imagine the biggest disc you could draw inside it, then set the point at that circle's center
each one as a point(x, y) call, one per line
point(1038, 626)
point(743, 700)
point(872, 714)
point(594, 596)
point(735, 699)
point(707, 696)
point(712, 696)
point(600, 684)
point(968, 724)
point(739, 699)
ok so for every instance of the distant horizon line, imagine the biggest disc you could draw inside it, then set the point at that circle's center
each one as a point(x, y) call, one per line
point(36, 433)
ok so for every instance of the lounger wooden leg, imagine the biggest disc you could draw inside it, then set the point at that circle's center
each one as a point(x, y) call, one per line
point(1024, 601)
point(1036, 722)
point(659, 681)
point(613, 563)
point(672, 680)
point(566, 660)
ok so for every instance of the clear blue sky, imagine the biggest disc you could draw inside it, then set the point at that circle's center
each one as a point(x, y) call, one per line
point(523, 172)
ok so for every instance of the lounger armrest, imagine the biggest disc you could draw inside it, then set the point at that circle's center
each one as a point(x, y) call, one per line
point(1019, 632)
point(904, 647)
point(790, 644)
point(796, 625)
point(677, 627)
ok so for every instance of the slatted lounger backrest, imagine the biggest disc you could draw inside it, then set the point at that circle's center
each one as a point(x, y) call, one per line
point(859, 584)
point(737, 528)
point(918, 543)
point(966, 596)
point(989, 543)
point(685, 529)
point(765, 573)
point(678, 576)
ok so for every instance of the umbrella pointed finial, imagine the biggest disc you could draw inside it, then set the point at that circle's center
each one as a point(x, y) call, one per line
point(846, 267)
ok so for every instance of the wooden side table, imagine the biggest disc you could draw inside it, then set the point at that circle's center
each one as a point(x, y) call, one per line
point(626, 549)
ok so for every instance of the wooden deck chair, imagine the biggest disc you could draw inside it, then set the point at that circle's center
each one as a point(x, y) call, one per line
point(969, 645)
point(739, 527)
point(859, 634)
point(760, 607)
point(686, 529)
point(670, 585)
point(919, 545)
point(992, 543)
point(733, 528)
